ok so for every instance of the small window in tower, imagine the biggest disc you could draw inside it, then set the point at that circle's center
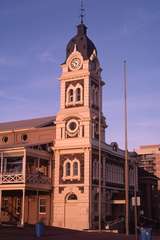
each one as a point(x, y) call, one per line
point(75, 169)
point(78, 94)
point(68, 169)
point(70, 95)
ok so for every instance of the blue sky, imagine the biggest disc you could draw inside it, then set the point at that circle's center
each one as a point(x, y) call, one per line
point(33, 38)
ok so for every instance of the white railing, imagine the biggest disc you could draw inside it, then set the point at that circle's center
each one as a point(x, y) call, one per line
point(11, 178)
point(37, 178)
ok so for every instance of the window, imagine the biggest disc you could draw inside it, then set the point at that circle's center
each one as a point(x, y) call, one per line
point(78, 94)
point(68, 169)
point(18, 205)
point(70, 96)
point(72, 196)
point(93, 96)
point(75, 169)
point(94, 169)
point(96, 97)
point(71, 170)
point(5, 204)
point(42, 205)
point(24, 137)
point(72, 127)
point(74, 95)
point(5, 139)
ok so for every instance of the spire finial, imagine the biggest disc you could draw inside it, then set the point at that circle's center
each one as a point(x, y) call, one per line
point(82, 11)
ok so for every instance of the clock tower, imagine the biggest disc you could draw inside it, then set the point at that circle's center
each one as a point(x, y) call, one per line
point(77, 132)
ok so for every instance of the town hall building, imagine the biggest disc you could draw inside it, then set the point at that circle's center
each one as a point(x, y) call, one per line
point(49, 167)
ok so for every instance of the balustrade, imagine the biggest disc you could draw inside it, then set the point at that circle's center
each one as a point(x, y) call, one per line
point(11, 178)
point(32, 178)
point(38, 178)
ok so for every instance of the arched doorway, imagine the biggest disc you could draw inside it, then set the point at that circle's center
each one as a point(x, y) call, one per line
point(71, 211)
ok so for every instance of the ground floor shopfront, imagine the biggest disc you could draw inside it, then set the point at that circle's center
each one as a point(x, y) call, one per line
point(25, 206)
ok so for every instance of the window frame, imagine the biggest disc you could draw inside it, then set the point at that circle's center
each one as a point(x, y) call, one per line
point(42, 205)
point(71, 177)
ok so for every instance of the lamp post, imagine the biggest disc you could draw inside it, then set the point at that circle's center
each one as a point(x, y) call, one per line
point(135, 203)
point(135, 197)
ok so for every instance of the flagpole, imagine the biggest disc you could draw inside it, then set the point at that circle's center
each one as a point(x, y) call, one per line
point(99, 169)
point(126, 151)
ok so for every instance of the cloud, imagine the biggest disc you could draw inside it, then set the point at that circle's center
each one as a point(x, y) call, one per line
point(138, 103)
point(139, 20)
point(4, 61)
point(10, 97)
point(10, 61)
point(153, 123)
point(47, 56)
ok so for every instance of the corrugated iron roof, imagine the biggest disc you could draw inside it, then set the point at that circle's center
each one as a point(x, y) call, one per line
point(29, 123)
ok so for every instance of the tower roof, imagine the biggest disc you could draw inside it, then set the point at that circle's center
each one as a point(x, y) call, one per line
point(83, 44)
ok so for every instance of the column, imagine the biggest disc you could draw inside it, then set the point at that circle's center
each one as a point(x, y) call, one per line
point(90, 187)
point(0, 206)
point(24, 166)
point(1, 170)
point(37, 206)
point(23, 207)
point(50, 208)
point(50, 168)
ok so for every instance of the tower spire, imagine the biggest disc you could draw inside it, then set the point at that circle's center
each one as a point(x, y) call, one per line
point(82, 11)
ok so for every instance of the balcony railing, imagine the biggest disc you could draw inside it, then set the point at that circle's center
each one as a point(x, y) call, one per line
point(32, 178)
point(37, 178)
point(11, 178)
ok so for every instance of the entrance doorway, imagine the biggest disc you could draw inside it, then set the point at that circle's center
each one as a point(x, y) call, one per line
point(71, 211)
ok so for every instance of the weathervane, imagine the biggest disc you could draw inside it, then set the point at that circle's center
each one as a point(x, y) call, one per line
point(82, 11)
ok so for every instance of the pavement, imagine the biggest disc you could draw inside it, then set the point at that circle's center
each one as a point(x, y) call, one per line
point(53, 233)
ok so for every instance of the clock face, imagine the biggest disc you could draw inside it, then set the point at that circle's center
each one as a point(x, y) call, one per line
point(75, 63)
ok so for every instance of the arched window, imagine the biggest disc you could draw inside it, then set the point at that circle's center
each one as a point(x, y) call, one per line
point(93, 95)
point(72, 196)
point(96, 97)
point(78, 94)
point(75, 169)
point(71, 170)
point(96, 197)
point(97, 170)
point(70, 96)
point(94, 168)
point(68, 169)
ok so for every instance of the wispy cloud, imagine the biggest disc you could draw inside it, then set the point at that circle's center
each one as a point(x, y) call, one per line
point(154, 123)
point(47, 56)
point(138, 20)
point(10, 61)
point(138, 103)
point(10, 97)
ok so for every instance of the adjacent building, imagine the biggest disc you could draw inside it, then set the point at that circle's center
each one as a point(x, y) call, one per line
point(149, 159)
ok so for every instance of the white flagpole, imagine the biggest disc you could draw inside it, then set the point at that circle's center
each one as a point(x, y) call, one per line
point(126, 151)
